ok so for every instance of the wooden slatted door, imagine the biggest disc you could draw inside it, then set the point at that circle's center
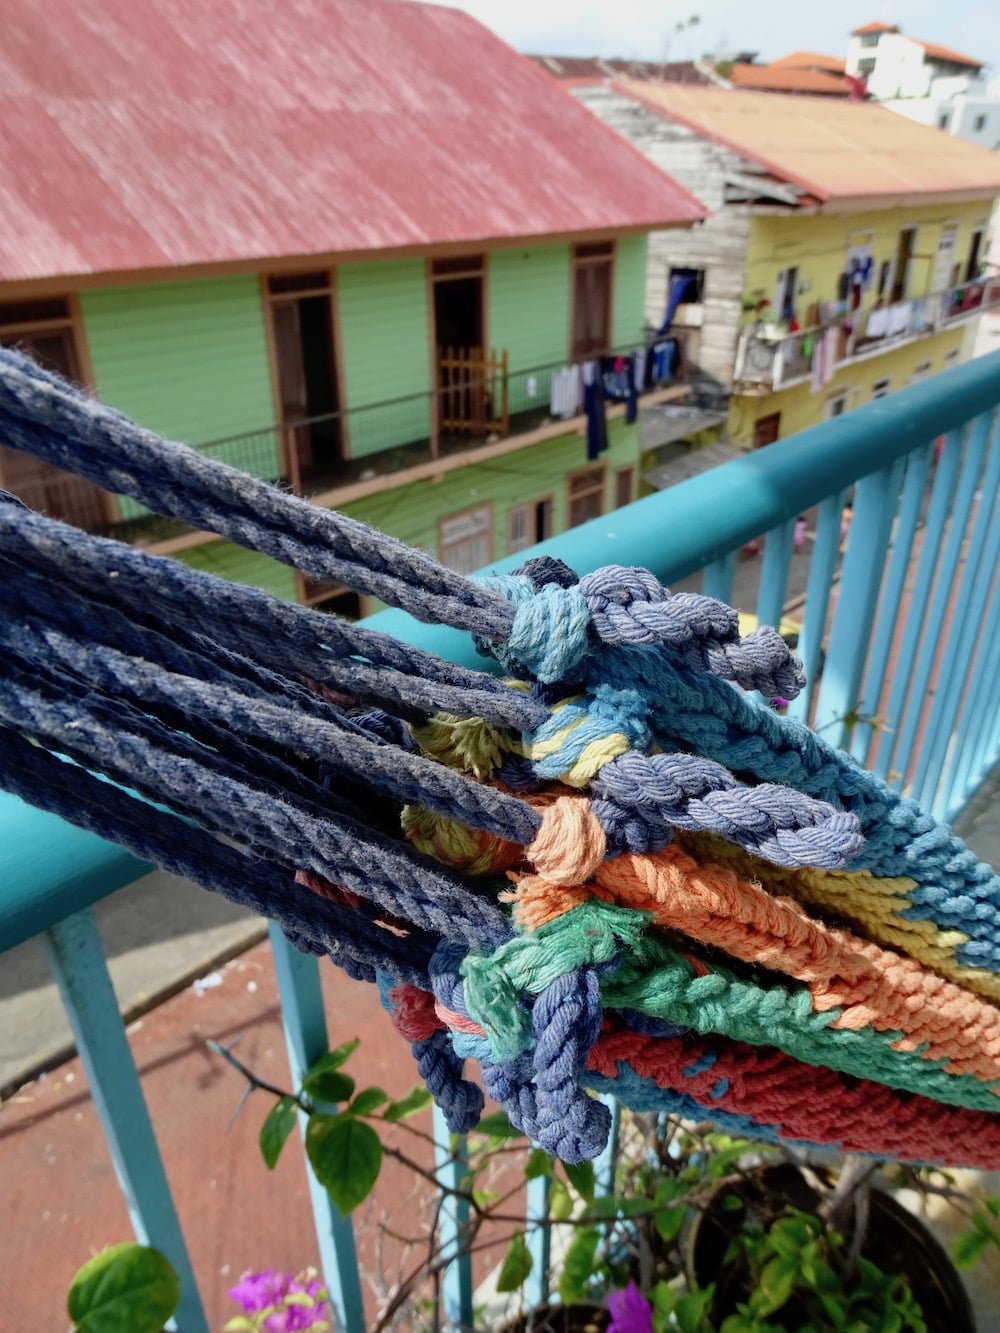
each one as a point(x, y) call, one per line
point(473, 391)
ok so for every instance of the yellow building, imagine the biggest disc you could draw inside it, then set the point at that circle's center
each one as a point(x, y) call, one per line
point(845, 256)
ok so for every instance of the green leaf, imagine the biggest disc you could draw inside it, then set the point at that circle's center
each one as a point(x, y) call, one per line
point(539, 1163)
point(278, 1124)
point(497, 1126)
point(581, 1176)
point(346, 1156)
point(578, 1266)
point(516, 1265)
point(334, 1059)
point(328, 1085)
point(968, 1249)
point(125, 1289)
point(368, 1101)
point(668, 1222)
point(415, 1100)
point(560, 1202)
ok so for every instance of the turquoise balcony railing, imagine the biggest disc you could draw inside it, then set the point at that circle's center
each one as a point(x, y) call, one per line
point(898, 617)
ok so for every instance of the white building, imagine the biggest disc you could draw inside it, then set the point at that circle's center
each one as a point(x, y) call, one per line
point(929, 83)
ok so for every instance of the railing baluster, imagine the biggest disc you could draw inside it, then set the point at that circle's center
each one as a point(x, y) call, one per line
point(876, 499)
point(912, 725)
point(977, 747)
point(914, 485)
point(975, 658)
point(304, 1023)
point(717, 580)
point(822, 566)
point(75, 955)
point(937, 516)
point(968, 598)
point(536, 1288)
point(451, 1166)
point(774, 573)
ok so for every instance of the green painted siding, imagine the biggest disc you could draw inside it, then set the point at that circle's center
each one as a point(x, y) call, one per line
point(385, 352)
point(412, 513)
point(239, 565)
point(186, 359)
point(630, 292)
point(528, 303)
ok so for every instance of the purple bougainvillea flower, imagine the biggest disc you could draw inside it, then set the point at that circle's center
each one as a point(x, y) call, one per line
point(256, 1291)
point(630, 1311)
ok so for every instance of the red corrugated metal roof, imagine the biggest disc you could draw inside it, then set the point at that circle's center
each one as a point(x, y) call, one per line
point(139, 134)
point(844, 153)
point(782, 79)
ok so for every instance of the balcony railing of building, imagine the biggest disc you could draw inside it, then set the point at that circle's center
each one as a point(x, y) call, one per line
point(770, 358)
point(478, 404)
point(900, 636)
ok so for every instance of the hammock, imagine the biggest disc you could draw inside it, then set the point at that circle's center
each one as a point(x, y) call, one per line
point(613, 869)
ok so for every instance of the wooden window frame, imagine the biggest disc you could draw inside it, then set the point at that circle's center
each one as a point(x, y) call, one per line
point(489, 529)
point(603, 254)
point(839, 396)
point(622, 474)
point(769, 417)
point(595, 471)
point(882, 388)
point(530, 508)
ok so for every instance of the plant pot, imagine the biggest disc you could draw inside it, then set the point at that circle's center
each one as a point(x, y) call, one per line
point(581, 1317)
point(895, 1240)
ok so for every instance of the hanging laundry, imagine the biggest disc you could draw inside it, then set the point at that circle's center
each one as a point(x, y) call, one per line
point(683, 286)
point(878, 322)
point(564, 392)
point(593, 405)
point(899, 319)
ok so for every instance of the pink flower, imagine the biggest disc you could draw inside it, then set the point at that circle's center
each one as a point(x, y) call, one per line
point(630, 1311)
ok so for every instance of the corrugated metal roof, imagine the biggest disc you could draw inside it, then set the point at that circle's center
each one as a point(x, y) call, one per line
point(599, 67)
point(781, 79)
point(810, 60)
point(839, 151)
point(141, 134)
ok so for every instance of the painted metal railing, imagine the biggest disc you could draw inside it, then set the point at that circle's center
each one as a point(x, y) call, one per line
point(899, 628)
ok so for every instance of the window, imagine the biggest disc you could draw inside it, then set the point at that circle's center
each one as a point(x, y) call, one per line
point(944, 120)
point(624, 486)
point(332, 597)
point(689, 283)
point(766, 429)
point(866, 66)
point(585, 496)
point(920, 372)
point(951, 357)
point(870, 39)
point(835, 406)
point(881, 388)
point(45, 329)
point(593, 267)
point(979, 123)
point(528, 524)
point(465, 541)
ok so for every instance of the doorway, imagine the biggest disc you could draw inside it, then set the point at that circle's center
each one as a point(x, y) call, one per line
point(904, 263)
point(459, 339)
point(301, 319)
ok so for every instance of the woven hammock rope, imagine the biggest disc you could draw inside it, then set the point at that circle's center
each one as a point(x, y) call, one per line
point(556, 873)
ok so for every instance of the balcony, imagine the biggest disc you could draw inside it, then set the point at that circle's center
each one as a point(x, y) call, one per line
point(479, 410)
point(770, 358)
point(897, 601)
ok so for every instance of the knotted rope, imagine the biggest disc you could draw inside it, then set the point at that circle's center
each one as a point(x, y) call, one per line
point(613, 870)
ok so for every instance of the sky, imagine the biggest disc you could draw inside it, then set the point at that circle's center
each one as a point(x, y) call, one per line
point(645, 29)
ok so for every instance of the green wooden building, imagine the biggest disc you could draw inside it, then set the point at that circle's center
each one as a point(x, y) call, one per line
point(372, 275)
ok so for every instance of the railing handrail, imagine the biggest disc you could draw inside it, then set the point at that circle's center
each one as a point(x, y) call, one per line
point(676, 532)
point(435, 391)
